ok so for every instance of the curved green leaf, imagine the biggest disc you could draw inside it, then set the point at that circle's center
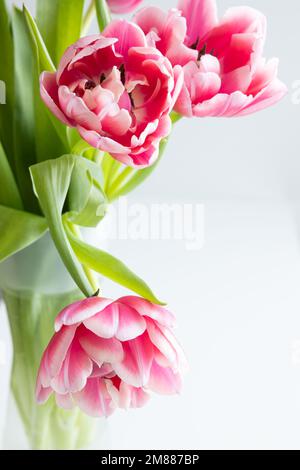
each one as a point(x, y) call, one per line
point(24, 115)
point(51, 138)
point(44, 56)
point(9, 193)
point(7, 77)
point(86, 198)
point(18, 230)
point(51, 181)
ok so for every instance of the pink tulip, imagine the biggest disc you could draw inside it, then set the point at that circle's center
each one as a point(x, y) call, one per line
point(107, 354)
point(123, 6)
point(117, 91)
point(225, 73)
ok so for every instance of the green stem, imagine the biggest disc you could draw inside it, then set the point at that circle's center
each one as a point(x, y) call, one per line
point(119, 181)
point(175, 117)
point(111, 167)
point(139, 176)
point(89, 274)
point(103, 14)
point(88, 18)
point(129, 179)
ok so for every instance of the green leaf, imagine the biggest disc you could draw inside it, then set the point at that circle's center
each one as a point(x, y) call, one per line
point(18, 230)
point(51, 180)
point(9, 193)
point(49, 143)
point(7, 77)
point(24, 115)
point(103, 14)
point(45, 60)
point(60, 23)
point(110, 267)
point(86, 198)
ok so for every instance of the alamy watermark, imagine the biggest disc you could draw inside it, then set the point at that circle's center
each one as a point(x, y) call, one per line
point(182, 222)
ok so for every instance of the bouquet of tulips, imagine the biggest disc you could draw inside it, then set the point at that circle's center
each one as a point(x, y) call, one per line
point(86, 120)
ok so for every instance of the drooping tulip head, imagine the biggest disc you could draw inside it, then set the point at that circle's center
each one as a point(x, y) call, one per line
point(108, 354)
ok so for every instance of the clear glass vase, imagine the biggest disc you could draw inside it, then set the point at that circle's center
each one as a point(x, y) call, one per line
point(35, 287)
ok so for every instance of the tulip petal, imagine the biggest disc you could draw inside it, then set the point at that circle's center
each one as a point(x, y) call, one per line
point(131, 397)
point(163, 380)
point(161, 342)
point(55, 354)
point(128, 34)
point(264, 75)
point(147, 309)
point(76, 110)
point(42, 394)
point(72, 51)
point(64, 401)
point(123, 6)
point(100, 349)
point(139, 398)
point(80, 311)
point(201, 17)
point(136, 364)
point(131, 324)
point(237, 20)
point(48, 90)
point(94, 399)
point(105, 323)
point(77, 367)
point(269, 96)
point(237, 80)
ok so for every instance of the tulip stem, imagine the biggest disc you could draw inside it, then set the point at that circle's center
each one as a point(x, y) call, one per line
point(103, 14)
point(129, 179)
point(89, 274)
point(175, 117)
point(88, 18)
point(138, 177)
point(120, 181)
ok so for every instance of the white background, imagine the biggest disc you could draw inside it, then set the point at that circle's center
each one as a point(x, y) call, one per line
point(237, 299)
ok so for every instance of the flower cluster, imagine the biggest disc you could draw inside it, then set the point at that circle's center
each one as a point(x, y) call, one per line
point(108, 354)
point(120, 87)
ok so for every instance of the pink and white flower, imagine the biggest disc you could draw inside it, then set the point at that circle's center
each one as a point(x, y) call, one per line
point(107, 354)
point(123, 6)
point(225, 72)
point(117, 91)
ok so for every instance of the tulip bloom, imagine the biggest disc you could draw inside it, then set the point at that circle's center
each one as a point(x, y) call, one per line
point(225, 72)
point(108, 354)
point(116, 91)
point(123, 6)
